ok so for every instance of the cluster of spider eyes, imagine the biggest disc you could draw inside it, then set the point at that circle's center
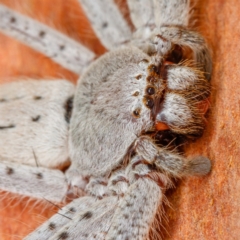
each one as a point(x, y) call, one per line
point(174, 57)
point(148, 101)
point(152, 79)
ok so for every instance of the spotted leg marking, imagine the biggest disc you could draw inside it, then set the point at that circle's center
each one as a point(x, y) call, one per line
point(61, 49)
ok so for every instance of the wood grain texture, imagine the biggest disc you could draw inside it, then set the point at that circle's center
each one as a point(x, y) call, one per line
point(208, 208)
point(201, 208)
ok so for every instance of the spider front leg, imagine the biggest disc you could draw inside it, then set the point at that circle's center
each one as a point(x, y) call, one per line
point(170, 162)
point(186, 38)
point(149, 175)
point(177, 45)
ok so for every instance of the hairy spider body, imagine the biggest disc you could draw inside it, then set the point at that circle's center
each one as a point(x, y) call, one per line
point(160, 74)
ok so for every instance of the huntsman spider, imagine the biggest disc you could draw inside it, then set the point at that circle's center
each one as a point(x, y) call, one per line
point(117, 136)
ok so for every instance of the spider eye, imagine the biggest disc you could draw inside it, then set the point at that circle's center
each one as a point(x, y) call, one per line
point(153, 69)
point(136, 112)
point(176, 55)
point(150, 90)
point(149, 103)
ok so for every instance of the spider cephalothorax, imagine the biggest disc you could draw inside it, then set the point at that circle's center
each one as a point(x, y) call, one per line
point(123, 95)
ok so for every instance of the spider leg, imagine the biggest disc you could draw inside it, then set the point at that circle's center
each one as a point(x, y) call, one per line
point(185, 37)
point(136, 211)
point(34, 122)
point(37, 182)
point(141, 12)
point(172, 20)
point(63, 50)
point(174, 12)
point(111, 217)
point(107, 22)
point(62, 218)
point(170, 162)
point(92, 223)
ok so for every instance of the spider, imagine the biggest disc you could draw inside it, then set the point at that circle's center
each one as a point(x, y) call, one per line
point(157, 53)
